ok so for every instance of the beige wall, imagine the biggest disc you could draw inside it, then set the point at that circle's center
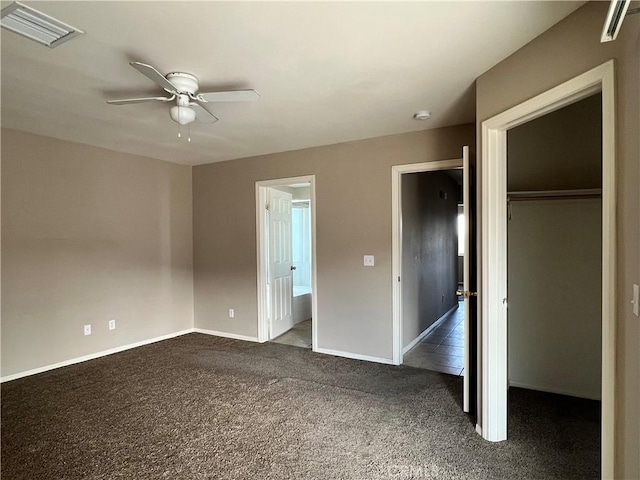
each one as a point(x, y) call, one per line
point(555, 279)
point(353, 208)
point(90, 235)
point(563, 52)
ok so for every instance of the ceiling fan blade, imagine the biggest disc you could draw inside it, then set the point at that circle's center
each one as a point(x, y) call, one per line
point(203, 114)
point(230, 96)
point(127, 101)
point(151, 73)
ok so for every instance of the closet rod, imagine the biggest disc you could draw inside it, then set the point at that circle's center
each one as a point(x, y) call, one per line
point(555, 194)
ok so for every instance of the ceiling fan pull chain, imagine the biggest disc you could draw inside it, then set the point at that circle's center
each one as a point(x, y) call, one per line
point(189, 133)
point(179, 133)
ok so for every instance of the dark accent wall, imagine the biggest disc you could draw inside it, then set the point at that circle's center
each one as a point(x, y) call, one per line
point(430, 249)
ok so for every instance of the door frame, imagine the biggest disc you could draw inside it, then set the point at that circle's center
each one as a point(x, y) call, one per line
point(493, 289)
point(396, 240)
point(262, 254)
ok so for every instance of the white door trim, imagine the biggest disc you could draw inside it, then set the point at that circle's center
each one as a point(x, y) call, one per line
point(396, 240)
point(494, 250)
point(262, 255)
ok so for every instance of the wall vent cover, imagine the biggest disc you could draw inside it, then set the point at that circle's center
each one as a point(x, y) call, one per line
point(36, 25)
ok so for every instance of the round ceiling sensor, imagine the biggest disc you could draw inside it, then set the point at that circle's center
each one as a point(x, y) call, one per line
point(422, 115)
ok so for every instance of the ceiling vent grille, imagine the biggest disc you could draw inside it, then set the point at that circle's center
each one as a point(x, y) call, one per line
point(37, 26)
point(615, 17)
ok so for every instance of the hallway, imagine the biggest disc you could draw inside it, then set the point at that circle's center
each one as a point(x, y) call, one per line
point(442, 350)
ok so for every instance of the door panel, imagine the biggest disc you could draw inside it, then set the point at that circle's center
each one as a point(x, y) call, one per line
point(465, 276)
point(469, 290)
point(280, 263)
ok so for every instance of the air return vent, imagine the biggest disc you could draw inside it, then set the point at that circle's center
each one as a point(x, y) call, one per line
point(36, 25)
point(615, 16)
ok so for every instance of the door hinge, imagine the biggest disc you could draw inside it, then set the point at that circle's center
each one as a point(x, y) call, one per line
point(266, 207)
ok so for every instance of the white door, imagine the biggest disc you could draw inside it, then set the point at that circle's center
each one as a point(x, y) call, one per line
point(466, 199)
point(280, 263)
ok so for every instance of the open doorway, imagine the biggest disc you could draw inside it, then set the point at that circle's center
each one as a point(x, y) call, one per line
point(432, 253)
point(285, 223)
point(554, 272)
point(468, 334)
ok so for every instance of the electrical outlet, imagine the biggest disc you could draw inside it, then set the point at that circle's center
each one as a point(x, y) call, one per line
point(112, 324)
point(232, 313)
point(87, 329)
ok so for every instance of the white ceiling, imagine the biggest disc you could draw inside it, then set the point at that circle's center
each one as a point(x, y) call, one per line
point(327, 72)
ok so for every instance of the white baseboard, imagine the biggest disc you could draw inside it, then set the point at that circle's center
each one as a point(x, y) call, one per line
point(478, 429)
point(104, 353)
point(92, 356)
point(355, 356)
point(225, 334)
point(559, 391)
point(428, 330)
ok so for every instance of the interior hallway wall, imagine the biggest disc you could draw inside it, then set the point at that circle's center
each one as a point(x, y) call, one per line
point(353, 218)
point(90, 235)
point(566, 50)
point(429, 250)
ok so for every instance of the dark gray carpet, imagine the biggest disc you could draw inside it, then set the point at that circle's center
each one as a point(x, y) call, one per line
point(201, 407)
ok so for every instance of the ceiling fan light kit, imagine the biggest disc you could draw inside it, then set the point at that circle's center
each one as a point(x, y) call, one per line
point(183, 88)
point(182, 115)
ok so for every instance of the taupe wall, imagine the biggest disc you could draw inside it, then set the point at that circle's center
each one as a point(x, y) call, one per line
point(90, 235)
point(555, 271)
point(563, 52)
point(353, 208)
point(429, 250)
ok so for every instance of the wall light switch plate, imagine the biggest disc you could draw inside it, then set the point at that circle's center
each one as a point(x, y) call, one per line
point(636, 300)
point(232, 313)
point(369, 261)
point(87, 329)
point(112, 324)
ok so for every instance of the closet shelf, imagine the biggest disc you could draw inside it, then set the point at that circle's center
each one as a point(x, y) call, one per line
point(554, 194)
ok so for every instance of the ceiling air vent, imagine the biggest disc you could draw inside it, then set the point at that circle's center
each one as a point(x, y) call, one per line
point(37, 26)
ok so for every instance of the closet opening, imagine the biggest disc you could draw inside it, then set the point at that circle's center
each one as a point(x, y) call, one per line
point(554, 271)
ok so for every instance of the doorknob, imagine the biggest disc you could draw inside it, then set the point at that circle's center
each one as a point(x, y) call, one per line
point(292, 267)
point(466, 294)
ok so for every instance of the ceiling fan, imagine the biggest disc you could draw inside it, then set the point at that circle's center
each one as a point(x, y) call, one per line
point(183, 88)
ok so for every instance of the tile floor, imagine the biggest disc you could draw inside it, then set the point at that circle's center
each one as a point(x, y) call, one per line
point(443, 349)
point(298, 336)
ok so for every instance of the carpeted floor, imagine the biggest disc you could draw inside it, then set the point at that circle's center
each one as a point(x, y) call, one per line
point(201, 407)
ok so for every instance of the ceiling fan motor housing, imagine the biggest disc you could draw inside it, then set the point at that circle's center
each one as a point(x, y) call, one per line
point(184, 82)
